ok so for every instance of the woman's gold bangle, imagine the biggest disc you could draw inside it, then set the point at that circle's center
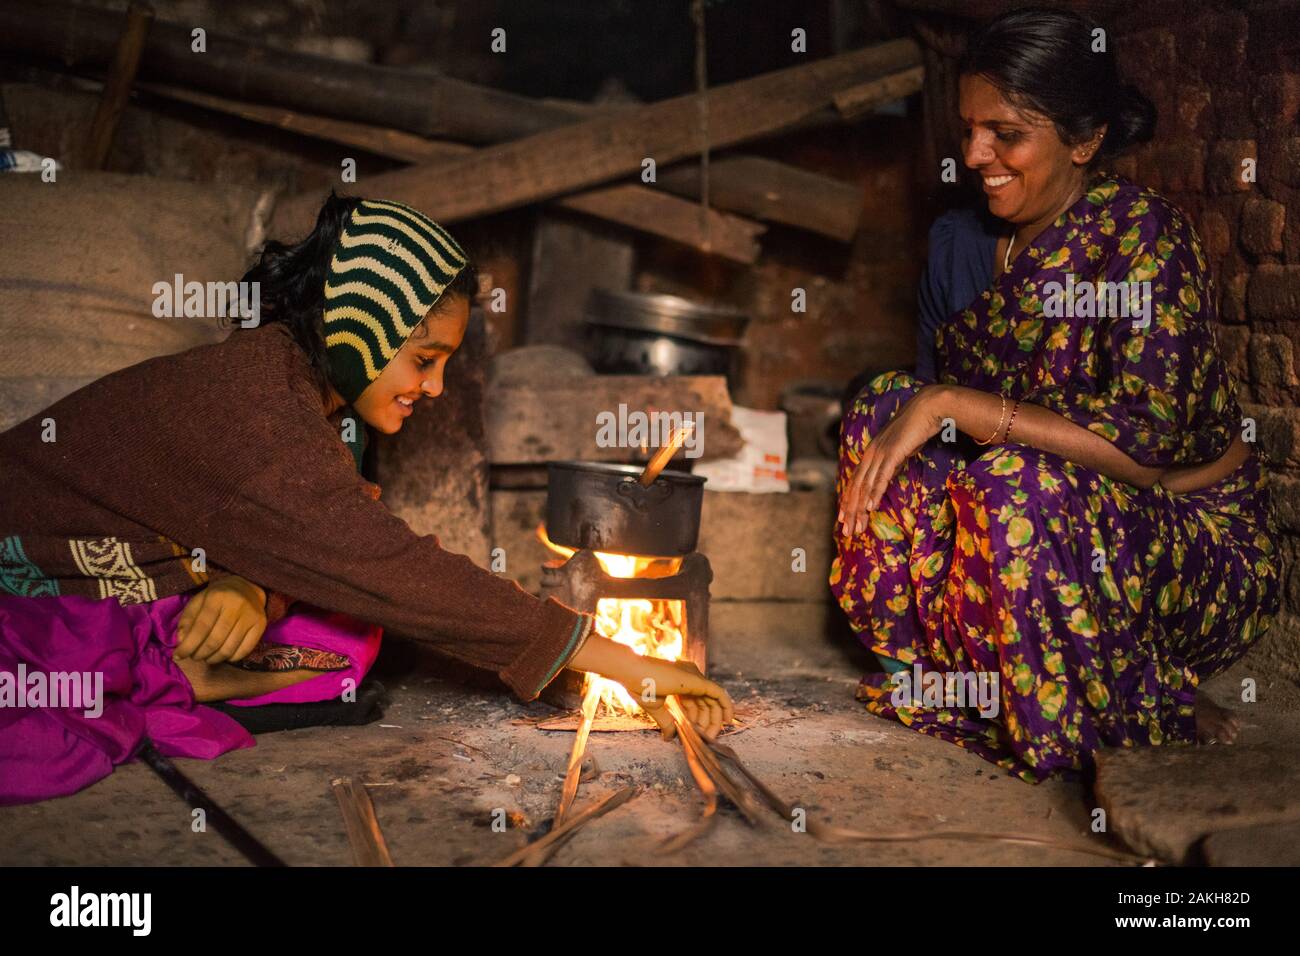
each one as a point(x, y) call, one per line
point(1002, 416)
point(1015, 408)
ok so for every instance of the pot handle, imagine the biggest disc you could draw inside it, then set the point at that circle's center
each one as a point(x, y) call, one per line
point(641, 498)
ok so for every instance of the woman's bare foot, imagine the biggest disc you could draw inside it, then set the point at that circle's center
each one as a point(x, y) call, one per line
point(225, 682)
point(1214, 724)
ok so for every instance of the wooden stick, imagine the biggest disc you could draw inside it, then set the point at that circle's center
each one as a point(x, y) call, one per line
point(574, 774)
point(367, 840)
point(746, 804)
point(659, 461)
point(540, 850)
point(710, 791)
point(253, 849)
point(117, 85)
point(827, 833)
point(606, 147)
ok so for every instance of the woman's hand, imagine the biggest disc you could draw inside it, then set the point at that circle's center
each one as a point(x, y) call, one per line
point(915, 423)
point(223, 622)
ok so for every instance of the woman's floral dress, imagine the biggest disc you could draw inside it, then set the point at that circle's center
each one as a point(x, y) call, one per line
point(1099, 605)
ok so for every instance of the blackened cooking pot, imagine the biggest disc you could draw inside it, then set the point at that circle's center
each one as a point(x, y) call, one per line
point(605, 508)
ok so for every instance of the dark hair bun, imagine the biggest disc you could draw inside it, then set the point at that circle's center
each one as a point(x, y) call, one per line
point(1134, 121)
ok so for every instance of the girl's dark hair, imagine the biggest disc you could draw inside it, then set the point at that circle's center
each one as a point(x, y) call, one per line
point(1044, 60)
point(292, 278)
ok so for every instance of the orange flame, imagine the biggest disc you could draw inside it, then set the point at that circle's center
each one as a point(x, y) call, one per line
point(651, 627)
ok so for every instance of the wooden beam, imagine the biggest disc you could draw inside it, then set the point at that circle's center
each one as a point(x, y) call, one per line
point(401, 102)
point(774, 192)
point(117, 85)
point(669, 217)
point(425, 103)
point(637, 207)
point(987, 9)
point(603, 148)
point(393, 143)
point(287, 83)
point(859, 100)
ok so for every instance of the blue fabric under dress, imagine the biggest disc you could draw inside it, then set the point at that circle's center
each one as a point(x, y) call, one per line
point(962, 245)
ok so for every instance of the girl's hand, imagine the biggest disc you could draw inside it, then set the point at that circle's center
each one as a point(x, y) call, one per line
point(223, 622)
point(707, 706)
point(915, 423)
point(649, 680)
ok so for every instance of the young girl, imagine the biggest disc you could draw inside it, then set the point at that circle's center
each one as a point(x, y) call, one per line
point(194, 528)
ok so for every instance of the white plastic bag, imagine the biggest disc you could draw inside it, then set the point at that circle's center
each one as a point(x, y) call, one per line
point(760, 466)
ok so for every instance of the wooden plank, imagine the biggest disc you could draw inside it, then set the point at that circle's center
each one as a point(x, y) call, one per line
point(368, 845)
point(603, 148)
point(556, 421)
point(774, 192)
point(117, 85)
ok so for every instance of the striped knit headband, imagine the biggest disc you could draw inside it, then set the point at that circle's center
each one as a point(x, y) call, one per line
point(390, 265)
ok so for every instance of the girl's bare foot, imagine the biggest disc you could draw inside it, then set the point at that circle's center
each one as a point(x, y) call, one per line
point(1214, 724)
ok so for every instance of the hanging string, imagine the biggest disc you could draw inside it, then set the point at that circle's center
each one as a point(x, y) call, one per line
point(701, 89)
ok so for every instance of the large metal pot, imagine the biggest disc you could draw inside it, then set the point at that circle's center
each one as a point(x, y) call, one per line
point(620, 351)
point(642, 333)
point(604, 508)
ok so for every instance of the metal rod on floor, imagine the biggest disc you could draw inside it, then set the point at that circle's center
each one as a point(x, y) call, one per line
point(253, 849)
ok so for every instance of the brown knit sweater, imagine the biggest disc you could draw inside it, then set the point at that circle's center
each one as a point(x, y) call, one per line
point(227, 448)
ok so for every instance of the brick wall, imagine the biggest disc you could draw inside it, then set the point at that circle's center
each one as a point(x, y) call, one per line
point(1226, 81)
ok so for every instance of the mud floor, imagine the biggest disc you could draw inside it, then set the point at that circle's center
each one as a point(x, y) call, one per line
point(446, 756)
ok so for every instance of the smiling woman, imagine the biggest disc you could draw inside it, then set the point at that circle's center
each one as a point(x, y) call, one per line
point(199, 530)
point(1060, 500)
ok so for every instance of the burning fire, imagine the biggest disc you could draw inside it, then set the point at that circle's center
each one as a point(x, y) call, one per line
point(650, 627)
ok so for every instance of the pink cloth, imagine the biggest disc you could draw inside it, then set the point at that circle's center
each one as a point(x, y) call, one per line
point(53, 751)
